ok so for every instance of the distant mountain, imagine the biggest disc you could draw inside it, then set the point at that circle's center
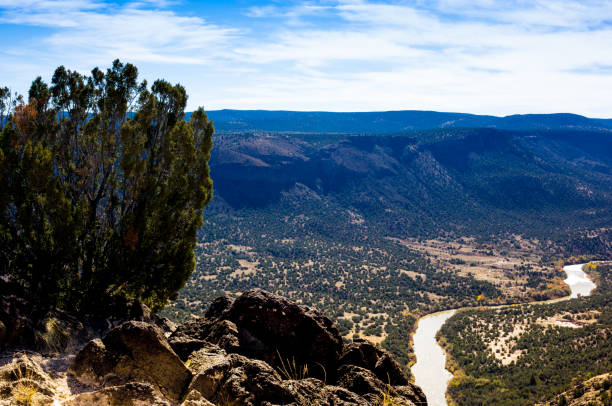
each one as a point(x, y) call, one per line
point(472, 179)
point(390, 121)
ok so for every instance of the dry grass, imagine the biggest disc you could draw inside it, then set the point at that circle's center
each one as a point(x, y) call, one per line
point(290, 370)
point(53, 337)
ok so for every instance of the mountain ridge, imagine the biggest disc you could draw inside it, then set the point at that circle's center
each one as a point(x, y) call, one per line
point(393, 121)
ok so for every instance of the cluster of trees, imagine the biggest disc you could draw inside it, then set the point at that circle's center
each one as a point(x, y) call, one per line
point(102, 188)
point(553, 359)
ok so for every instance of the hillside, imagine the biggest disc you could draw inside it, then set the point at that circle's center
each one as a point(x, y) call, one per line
point(527, 181)
point(379, 229)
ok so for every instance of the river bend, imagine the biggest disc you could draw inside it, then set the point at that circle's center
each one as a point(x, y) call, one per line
point(429, 370)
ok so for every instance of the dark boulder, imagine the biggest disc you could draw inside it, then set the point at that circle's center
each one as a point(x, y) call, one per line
point(218, 307)
point(268, 327)
point(184, 346)
point(191, 336)
point(271, 327)
point(16, 328)
point(239, 380)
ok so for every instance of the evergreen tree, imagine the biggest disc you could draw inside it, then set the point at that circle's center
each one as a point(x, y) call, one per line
point(104, 186)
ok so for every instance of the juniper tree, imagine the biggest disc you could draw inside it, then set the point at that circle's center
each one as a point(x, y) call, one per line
point(104, 186)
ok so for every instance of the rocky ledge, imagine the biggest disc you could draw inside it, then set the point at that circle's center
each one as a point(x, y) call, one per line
point(260, 349)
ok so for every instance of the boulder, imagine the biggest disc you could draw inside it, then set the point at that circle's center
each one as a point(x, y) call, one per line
point(218, 307)
point(23, 381)
point(360, 380)
point(199, 360)
point(272, 328)
point(130, 394)
point(363, 354)
point(225, 334)
point(191, 336)
point(133, 352)
point(365, 383)
point(239, 380)
point(268, 327)
point(197, 329)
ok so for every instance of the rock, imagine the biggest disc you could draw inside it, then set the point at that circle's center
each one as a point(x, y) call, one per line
point(93, 363)
point(183, 346)
point(366, 355)
point(23, 381)
point(235, 355)
point(312, 391)
point(270, 325)
point(412, 392)
point(18, 328)
point(218, 307)
point(225, 334)
point(130, 394)
point(133, 352)
point(195, 398)
point(239, 380)
point(167, 325)
point(365, 383)
point(360, 380)
point(190, 336)
point(200, 359)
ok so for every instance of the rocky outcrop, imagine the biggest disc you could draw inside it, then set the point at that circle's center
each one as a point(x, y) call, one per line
point(133, 352)
point(260, 349)
point(267, 327)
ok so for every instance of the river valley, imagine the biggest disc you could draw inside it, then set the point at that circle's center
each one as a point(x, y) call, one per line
point(429, 370)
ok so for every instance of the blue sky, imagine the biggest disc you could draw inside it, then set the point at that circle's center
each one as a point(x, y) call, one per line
point(479, 56)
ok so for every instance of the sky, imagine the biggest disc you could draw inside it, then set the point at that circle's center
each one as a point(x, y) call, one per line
point(474, 56)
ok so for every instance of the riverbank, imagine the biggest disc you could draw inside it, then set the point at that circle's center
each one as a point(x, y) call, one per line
point(430, 368)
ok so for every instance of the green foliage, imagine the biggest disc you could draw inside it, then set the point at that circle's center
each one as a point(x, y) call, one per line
point(553, 359)
point(104, 186)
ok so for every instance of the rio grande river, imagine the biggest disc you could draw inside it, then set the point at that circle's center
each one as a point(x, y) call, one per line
point(430, 372)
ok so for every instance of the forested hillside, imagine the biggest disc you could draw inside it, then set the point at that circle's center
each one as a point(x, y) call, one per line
point(471, 181)
point(344, 222)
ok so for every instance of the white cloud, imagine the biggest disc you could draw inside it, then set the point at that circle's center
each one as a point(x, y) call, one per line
point(99, 32)
point(480, 56)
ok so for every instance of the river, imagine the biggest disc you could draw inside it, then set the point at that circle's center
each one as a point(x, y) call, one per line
point(429, 370)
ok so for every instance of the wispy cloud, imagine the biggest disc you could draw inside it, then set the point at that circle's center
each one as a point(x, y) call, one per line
point(482, 56)
point(142, 31)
